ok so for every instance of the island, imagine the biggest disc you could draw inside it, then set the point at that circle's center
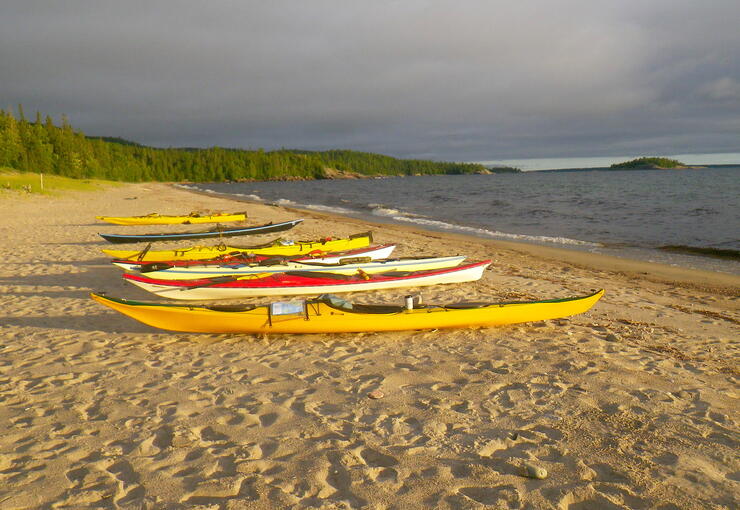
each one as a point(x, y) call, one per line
point(651, 163)
point(501, 169)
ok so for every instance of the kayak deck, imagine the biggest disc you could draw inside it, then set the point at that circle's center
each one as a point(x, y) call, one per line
point(275, 248)
point(164, 219)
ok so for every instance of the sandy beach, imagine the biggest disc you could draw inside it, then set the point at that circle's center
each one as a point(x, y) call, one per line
point(633, 405)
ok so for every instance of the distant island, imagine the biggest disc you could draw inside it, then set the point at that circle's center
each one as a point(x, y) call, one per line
point(650, 164)
point(503, 170)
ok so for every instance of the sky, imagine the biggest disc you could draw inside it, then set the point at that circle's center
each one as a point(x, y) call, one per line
point(464, 80)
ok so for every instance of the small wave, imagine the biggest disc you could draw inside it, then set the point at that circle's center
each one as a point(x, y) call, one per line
point(284, 201)
point(314, 207)
point(329, 209)
point(702, 211)
point(718, 253)
point(492, 233)
point(256, 198)
point(387, 211)
point(381, 210)
point(498, 203)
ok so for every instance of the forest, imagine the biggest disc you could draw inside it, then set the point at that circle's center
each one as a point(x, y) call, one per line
point(41, 146)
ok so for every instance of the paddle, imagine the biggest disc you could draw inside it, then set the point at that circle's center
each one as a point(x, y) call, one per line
point(342, 262)
point(142, 253)
point(216, 280)
point(212, 281)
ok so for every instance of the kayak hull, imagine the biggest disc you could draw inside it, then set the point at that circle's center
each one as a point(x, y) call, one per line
point(214, 233)
point(315, 316)
point(293, 283)
point(276, 248)
point(160, 219)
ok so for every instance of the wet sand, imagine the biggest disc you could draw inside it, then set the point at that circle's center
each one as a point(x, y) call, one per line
point(631, 405)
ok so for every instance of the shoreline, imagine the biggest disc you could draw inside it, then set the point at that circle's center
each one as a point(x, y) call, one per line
point(632, 404)
point(656, 272)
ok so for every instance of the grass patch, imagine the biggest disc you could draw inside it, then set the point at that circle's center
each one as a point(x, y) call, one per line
point(26, 182)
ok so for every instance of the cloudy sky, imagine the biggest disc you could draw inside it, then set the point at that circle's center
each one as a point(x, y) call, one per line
point(460, 80)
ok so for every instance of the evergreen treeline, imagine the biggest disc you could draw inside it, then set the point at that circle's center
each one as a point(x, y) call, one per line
point(40, 146)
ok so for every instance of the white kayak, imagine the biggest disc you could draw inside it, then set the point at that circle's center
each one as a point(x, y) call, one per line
point(340, 267)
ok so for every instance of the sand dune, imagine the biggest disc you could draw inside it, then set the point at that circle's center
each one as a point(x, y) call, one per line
point(632, 405)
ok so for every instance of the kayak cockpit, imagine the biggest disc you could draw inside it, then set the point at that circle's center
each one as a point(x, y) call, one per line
point(342, 304)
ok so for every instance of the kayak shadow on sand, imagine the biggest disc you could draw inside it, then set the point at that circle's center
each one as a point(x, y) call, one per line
point(94, 277)
point(107, 323)
point(100, 242)
point(99, 261)
point(74, 294)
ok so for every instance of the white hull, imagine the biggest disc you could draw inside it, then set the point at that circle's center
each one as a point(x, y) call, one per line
point(197, 272)
point(470, 274)
point(382, 252)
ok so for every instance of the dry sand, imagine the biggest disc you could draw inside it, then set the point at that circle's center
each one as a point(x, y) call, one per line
point(632, 405)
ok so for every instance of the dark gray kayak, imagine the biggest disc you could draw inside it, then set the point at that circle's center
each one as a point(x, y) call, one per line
point(203, 234)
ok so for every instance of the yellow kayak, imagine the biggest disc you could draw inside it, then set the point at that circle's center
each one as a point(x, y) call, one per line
point(161, 219)
point(276, 248)
point(330, 314)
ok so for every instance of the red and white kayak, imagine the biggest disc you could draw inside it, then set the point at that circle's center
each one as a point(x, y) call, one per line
point(382, 251)
point(303, 282)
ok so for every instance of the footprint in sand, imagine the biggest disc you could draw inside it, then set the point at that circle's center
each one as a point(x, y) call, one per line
point(505, 496)
point(374, 458)
point(209, 435)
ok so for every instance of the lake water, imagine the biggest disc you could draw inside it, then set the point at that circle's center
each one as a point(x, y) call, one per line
point(631, 214)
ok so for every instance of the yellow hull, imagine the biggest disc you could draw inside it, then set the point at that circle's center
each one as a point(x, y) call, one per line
point(156, 219)
point(317, 316)
point(277, 249)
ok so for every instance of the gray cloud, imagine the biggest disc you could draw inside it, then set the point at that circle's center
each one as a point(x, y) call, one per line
point(474, 80)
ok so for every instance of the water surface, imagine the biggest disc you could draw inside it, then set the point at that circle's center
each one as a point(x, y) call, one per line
point(626, 213)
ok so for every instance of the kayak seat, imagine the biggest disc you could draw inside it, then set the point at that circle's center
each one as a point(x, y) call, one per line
point(466, 304)
point(273, 261)
point(342, 304)
point(316, 274)
point(377, 308)
point(398, 274)
point(342, 262)
point(363, 234)
point(231, 308)
point(335, 301)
